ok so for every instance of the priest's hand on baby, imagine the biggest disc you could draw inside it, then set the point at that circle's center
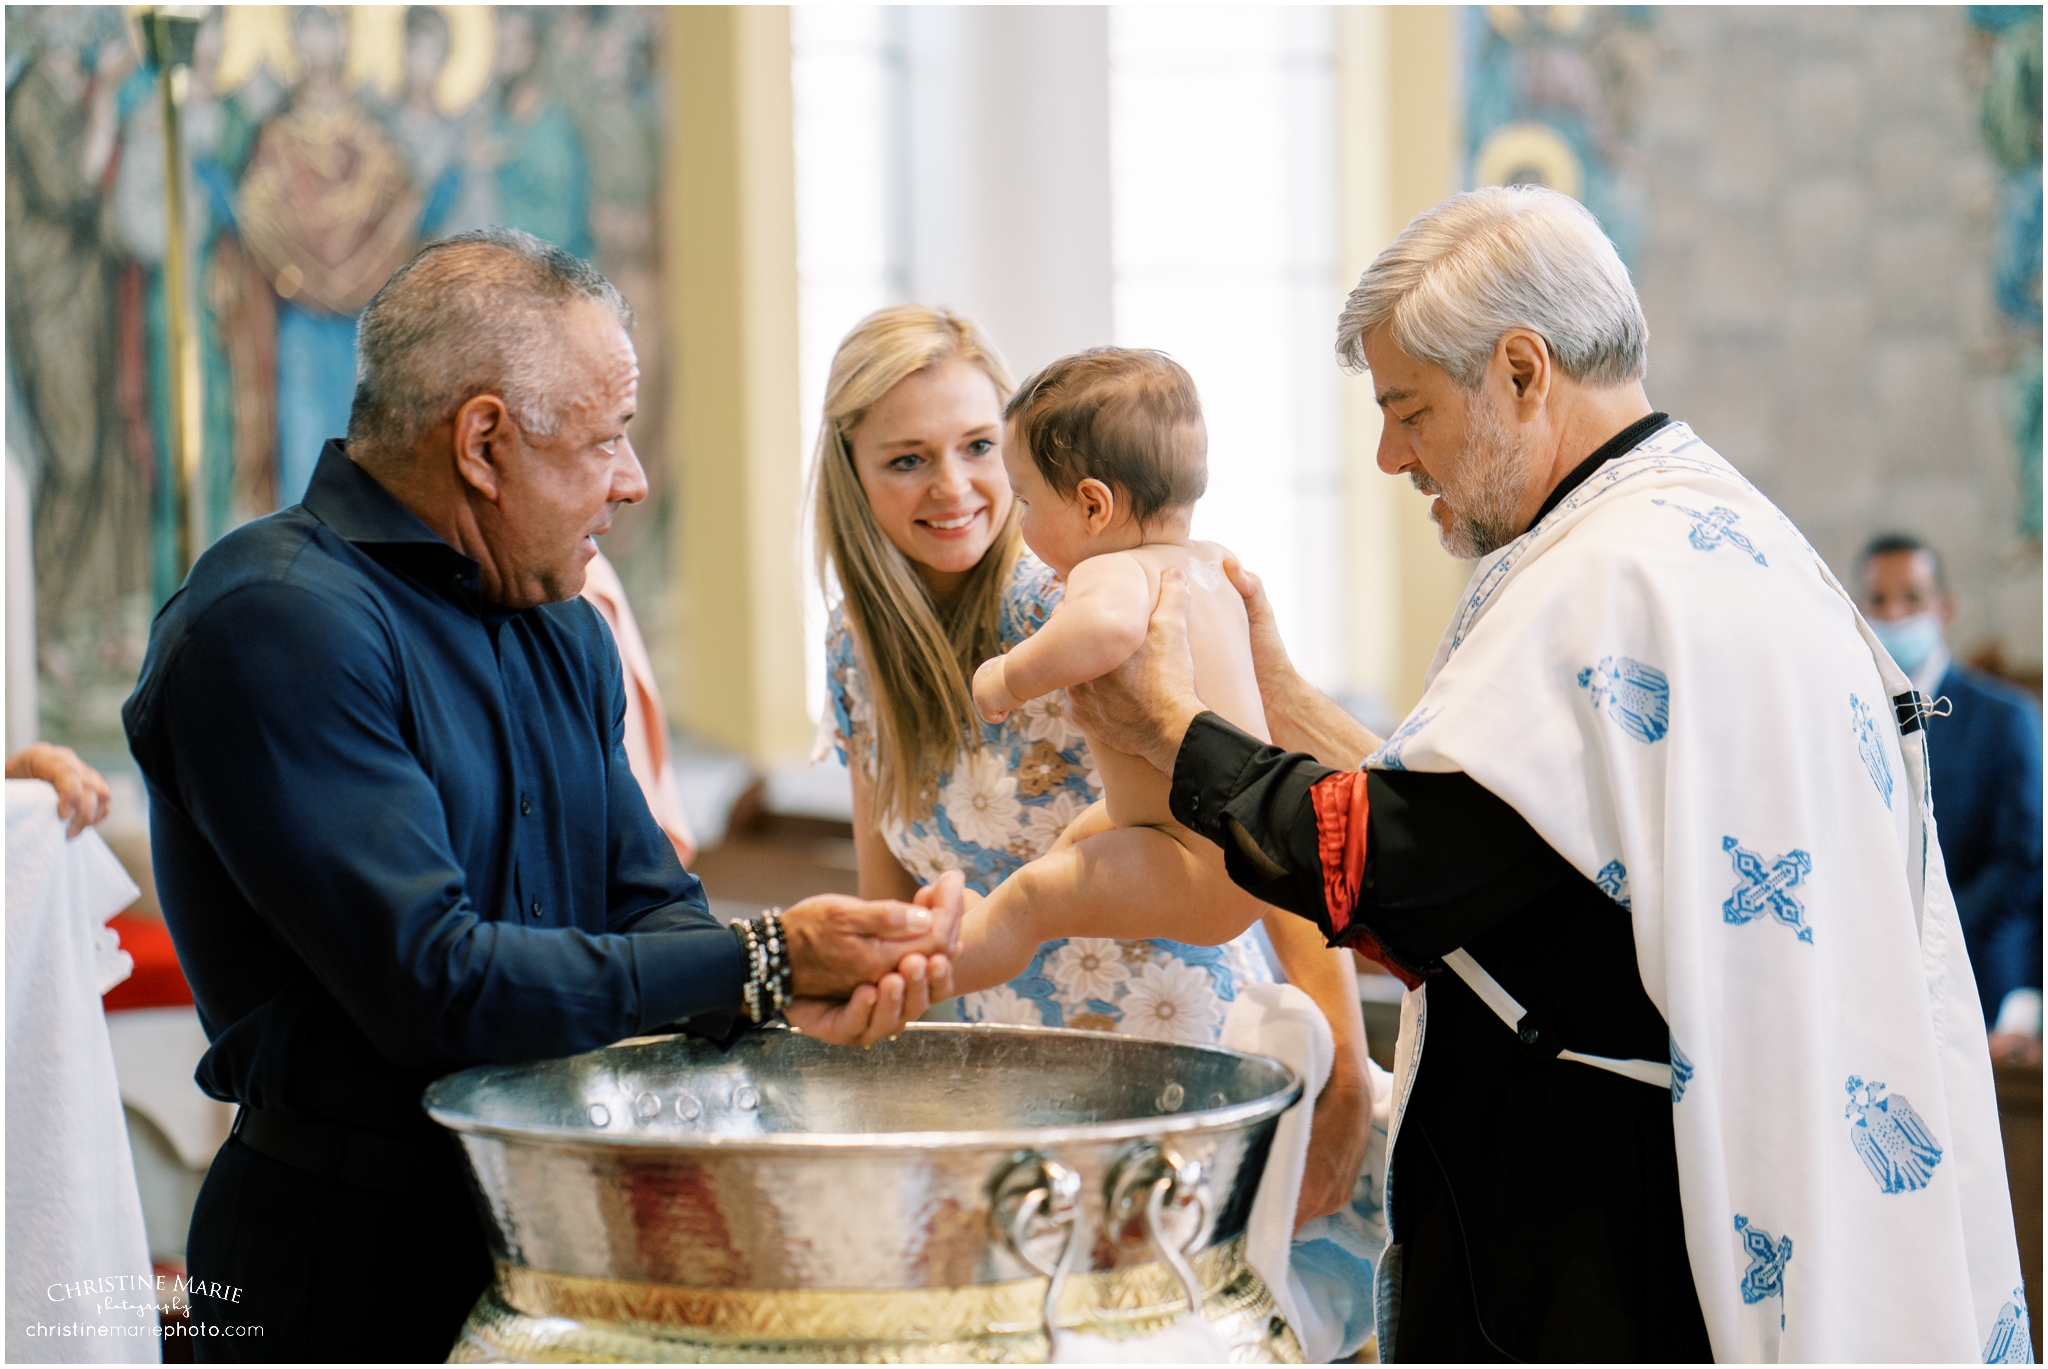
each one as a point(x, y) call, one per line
point(992, 697)
point(82, 796)
point(1298, 715)
point(1270, 661)
point(1144, 706)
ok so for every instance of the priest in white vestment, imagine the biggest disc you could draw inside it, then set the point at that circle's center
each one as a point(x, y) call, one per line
point(1692, 1063)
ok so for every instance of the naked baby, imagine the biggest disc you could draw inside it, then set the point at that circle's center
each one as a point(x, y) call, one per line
point(1107, 454)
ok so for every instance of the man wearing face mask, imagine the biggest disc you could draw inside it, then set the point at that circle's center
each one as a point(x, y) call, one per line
point(1986, 762)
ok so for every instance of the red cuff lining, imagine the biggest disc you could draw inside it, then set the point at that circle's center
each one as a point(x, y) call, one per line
point(1341, 807)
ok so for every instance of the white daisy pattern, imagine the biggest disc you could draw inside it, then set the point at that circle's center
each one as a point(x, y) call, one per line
point(1044, 822)
point(1003, 1006)
point(1159, 989)
point(1088, 967)
point(985, 824)
point(1045, 720)
point(980, 799)
point(1175, 1002)
point(924, 854)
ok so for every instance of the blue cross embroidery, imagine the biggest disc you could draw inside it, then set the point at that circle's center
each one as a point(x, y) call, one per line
point(1767, 890)
point(1765, 1277)
point(1870, 745)
point(1681, 1070)
point(1636, 696)
point(1714, 527)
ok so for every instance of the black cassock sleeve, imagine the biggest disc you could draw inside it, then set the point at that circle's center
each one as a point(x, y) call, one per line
point(1445, 859)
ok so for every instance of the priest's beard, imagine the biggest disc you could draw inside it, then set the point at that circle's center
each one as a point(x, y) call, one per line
point(1483, 492)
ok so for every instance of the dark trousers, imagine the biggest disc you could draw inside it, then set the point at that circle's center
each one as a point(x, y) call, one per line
point(310, 1269)
point(1563, 1263)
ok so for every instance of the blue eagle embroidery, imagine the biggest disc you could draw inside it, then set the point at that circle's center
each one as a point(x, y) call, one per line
point(1894, 1142)
point(2012, 1339)
point(1765, 1277)
point(1681, 1070)
point(1635, 695)
point(1388, 757)
point(1613, 881)
point(1870, 746)
point(1716, 527)
point(1767, 889)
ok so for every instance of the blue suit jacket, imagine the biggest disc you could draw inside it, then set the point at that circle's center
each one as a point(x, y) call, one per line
point(1986, 763)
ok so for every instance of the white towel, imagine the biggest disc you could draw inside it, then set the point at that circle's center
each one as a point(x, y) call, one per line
point(1280, 1021)
point(76, 1251)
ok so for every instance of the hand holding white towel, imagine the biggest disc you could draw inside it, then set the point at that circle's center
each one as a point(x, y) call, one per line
point(1280, 1021)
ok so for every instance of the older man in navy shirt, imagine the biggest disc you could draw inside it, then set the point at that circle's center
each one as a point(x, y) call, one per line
point(394, 829)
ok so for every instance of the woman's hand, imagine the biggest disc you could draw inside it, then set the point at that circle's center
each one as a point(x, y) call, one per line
point(992, 697)
point(1337, 1138)
point(82, 795)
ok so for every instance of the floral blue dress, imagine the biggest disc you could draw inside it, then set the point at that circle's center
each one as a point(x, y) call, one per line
point(1005, 804)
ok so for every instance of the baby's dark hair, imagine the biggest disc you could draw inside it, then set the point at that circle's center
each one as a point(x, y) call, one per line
point(1122, 415)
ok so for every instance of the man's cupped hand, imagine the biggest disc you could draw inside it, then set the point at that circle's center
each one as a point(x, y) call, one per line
point(863, 970)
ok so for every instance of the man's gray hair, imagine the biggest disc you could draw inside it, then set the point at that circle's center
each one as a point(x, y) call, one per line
point(1485, 261)
point(475, 313)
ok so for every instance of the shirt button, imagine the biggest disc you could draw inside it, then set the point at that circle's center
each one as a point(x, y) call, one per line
point(1195, 803)
point(536, 908)
point(525, 807)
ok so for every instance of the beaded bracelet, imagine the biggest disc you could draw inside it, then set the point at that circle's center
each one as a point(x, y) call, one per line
point(764, 943)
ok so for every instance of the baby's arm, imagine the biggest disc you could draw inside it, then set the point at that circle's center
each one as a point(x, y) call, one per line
point(1097, 626)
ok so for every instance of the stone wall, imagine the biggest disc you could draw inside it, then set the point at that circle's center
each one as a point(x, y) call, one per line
point(1817, 268)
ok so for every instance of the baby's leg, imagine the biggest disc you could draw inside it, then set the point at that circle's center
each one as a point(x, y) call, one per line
point(1093, 822)
point(1131, 884)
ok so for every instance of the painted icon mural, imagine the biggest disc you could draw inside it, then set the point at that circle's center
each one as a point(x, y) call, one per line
point(323, 146)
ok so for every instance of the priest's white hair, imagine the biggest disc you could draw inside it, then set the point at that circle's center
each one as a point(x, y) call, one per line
point(1488, 260)
point(475, 313)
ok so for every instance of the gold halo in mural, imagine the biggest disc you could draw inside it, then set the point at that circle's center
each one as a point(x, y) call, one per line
point(255, 36)
point(1512, 21)
point(376, 48)
point(472, 53)
point(1525, 154)
point(376, 53)
point(251, 38)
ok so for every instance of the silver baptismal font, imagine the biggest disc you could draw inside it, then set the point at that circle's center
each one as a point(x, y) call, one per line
point(942, 1197)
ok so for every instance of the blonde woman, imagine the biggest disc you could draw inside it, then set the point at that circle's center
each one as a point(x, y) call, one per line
point(918, 544)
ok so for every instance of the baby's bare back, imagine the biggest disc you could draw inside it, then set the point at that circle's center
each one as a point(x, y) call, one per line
point(1219, 640)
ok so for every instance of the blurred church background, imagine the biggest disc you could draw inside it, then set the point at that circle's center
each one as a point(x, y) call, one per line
point(1833, 214)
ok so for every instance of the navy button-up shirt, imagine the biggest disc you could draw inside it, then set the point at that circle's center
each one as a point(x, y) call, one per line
point(393, 827)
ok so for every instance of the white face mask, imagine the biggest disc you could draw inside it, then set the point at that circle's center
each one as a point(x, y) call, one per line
point(1910, 640)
